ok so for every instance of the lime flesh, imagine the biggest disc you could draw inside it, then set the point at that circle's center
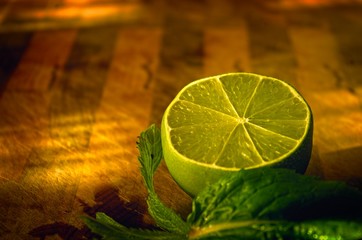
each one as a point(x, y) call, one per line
point(228, 122)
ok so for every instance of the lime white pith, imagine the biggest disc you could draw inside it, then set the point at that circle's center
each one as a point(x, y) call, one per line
point(232, 121)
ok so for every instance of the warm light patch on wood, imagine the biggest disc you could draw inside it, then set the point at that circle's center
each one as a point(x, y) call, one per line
point(88, 12)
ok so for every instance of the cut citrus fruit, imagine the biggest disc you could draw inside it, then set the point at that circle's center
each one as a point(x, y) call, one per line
point(233, 121)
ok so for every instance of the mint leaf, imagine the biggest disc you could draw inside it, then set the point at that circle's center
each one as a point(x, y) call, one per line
point(150, 154)
point(269, 202)
point(316, 230)
point(331, 229)
point(150, 148)
point(111, 230)
point(262, 203)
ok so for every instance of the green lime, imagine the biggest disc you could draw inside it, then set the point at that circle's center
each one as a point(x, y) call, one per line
point(233, 121)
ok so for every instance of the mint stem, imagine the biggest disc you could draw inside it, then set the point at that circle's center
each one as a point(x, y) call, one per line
point(150, 149)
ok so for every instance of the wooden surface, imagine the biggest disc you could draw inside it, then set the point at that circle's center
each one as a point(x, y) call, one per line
point(79, 80)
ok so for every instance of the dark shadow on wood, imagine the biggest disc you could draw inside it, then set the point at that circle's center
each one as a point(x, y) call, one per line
point(12, 47)
point(127, 213)
point(346, 165)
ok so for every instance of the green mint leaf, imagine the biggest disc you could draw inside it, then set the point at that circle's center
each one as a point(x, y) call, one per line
point(150, 154)
point(265, 230)
point(332, 229)
point(150, 149)
point(165, 217)
point(276, 199)
point(261, 203)
point(111, 230)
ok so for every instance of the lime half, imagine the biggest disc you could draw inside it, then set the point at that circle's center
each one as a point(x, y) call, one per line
point(233, 121)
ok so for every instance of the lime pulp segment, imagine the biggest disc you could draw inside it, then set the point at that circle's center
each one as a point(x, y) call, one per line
point(237, 121)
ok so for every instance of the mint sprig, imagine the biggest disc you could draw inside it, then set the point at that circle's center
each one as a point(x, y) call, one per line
point(111, 230)
point(261, 203)
point(150, 149)
point(269, 203)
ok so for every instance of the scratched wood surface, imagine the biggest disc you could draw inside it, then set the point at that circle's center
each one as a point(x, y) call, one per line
point(79, 80)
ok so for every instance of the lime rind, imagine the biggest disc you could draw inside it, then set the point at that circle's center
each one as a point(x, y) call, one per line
point(244, 108)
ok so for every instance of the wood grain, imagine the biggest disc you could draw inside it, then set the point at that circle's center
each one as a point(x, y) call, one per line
point(75, 92)
point(233, 58)
point(271, 49)
point(37, 71)
point(12, 47)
